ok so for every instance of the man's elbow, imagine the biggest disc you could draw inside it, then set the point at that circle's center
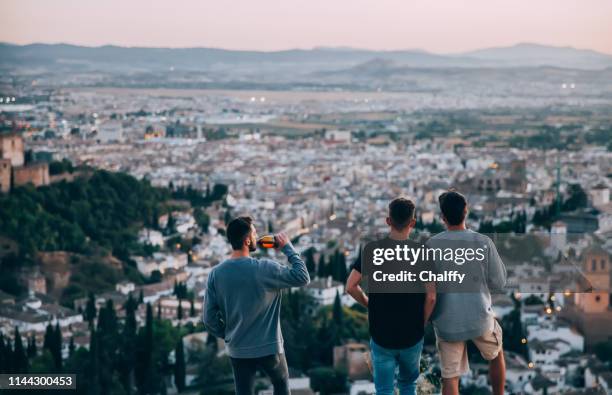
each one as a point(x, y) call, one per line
point(303, 280)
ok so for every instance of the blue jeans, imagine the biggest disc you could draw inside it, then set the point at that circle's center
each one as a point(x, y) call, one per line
point(386, 362)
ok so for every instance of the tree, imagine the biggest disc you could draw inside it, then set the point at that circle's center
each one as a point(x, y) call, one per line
point(310, 262)
point(146, 379)
point(179, 312)
point(179, 365)
point(170, 225)
point(90, 309)
point(71, 347)
point(128, 348)
point(5, 351)
point(338, 314)
point(49, 339)
point(93, 366)
point(192, 312)
point(322, 267)
point(57, 347)
point(19, 359)
point(201, 218)
point(327, 380)
point(339, 271)
point(32, 347)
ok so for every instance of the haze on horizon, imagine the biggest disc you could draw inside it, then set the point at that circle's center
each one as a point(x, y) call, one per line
point(439, 26)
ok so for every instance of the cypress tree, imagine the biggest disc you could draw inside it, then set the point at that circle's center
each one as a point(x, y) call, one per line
point(145, 377)
point(321, 267)
point(57, 347)
point(179, 313)
point(90, 309)
point(192, 311)
point(71, 346)
point(32, 347)
point(159, 311)
point(342, 273)
point(310, 262)
point(49, 339)
point(179, 366)
point(141, 297)
point(4, 354)
point(338, 313)
point(128, 345)
point(93, 368)
point(337, 320)
point(20, 359)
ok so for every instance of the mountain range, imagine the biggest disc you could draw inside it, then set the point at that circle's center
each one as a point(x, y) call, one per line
point(310, 60)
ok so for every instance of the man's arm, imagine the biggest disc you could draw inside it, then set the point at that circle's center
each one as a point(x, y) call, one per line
point(212, 313)
point(279, 276)
point(430, 301)
point(496, 277)
point(353, 288)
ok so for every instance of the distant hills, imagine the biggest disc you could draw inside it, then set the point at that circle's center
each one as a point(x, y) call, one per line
point(317, 59)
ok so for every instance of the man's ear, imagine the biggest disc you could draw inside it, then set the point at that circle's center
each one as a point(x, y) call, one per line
point(388, 220)
point(413, 222)
point(444, 219)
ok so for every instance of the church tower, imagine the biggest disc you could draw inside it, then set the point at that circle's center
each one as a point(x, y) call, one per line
point(596, 269)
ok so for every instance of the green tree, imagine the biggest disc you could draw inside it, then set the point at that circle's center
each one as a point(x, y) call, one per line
point(19, 359)
point(90, 309)
point(179, 365)
point(310, 261)
point(322, 267)
point(71, 347)
point(327, 380)
point(57, 347)
point(146, 377)
point(32, 347)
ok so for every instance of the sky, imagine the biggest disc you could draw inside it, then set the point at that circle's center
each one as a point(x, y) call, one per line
point(439, 26)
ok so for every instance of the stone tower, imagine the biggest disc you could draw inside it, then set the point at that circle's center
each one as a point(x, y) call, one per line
point(11, 148)
point(596, 269)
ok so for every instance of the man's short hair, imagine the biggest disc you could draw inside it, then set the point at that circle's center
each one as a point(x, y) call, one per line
point(453, 205)
point(401, 212)
point(238, 230)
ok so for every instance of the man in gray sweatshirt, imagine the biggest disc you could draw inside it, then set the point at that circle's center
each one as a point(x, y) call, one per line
point(464, 312)
point(243, 303)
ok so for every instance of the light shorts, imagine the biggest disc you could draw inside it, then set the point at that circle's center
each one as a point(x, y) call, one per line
point(453, 355)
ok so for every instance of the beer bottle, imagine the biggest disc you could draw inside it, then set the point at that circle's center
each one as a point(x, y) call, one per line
point(267, 241)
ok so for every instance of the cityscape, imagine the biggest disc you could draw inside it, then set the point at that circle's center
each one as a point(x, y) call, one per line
point(120, 168)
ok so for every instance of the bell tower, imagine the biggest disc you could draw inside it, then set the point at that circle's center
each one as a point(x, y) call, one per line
point(596, 269)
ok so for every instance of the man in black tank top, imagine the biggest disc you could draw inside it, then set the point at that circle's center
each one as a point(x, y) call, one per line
point(396, 320)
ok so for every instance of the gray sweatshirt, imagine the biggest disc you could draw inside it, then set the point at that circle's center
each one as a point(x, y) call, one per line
point(243, 302)
point(465, 315)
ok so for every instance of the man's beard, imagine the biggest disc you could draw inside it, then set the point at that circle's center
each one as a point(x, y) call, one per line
point(252, 247)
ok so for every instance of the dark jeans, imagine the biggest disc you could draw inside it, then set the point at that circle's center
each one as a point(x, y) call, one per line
point(274, 366)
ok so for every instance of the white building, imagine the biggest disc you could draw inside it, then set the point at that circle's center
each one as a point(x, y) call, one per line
point(151, 236)
point(338, 136)
point(161, 262)
point(545, 331)
point(362, 387)
point(547, 352)
point(518, 372)
point(324, 290)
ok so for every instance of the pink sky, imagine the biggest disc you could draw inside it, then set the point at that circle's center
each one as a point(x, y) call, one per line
point(433, 25)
